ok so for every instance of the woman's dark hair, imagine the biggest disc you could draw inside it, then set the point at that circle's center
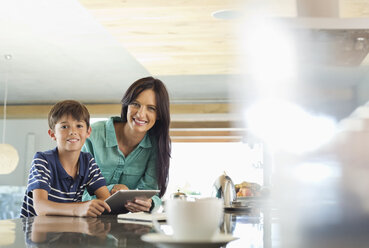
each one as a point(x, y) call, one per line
point(160, 130)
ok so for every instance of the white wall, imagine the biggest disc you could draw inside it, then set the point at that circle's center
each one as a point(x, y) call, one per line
point(194, 166)
point(28, 136)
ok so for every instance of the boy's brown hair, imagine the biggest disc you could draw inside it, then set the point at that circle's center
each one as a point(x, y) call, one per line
point(68, 107)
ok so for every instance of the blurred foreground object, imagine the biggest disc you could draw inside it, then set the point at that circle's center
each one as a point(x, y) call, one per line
point(325, 201)
point(351, 148)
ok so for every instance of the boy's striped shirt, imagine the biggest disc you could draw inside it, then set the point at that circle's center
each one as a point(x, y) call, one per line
point(47, 173)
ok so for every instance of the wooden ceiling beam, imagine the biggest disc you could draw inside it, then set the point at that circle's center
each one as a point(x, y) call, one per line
point(206, 139)
point(106, 110)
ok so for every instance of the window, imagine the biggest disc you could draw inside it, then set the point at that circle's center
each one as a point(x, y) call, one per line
point(195, 166)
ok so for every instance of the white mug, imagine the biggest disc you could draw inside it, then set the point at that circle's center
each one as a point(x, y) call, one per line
point(194, 220)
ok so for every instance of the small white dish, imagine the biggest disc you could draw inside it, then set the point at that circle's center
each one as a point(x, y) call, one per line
point(167, 241)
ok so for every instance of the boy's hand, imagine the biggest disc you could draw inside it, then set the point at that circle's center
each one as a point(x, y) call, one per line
point(92, 208)
point(95, 227)
point(118, 187)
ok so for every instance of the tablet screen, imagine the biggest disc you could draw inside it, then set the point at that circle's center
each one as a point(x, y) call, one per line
point(120, 198)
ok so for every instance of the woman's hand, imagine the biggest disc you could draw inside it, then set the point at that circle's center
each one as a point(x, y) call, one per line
point(139, 205)
point(118, 187)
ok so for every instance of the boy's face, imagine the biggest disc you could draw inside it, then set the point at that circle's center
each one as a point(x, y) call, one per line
point(70, 134)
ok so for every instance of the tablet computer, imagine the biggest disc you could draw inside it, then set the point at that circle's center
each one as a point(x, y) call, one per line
point(120, 198)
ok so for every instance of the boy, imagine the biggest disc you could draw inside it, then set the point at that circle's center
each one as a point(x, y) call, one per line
point(59, 177)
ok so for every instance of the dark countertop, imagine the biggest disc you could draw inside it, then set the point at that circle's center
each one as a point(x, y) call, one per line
point(253, 229)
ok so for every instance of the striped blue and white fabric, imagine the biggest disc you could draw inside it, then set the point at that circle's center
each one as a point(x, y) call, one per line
point(47, 173)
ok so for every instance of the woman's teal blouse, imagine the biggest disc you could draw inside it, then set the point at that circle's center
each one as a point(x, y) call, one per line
point(136, 171)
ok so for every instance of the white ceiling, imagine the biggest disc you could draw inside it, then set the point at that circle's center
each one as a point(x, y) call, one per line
point(62, 49)
point(59, 51)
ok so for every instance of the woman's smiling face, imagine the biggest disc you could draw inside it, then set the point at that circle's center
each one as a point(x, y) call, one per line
point(142, 112)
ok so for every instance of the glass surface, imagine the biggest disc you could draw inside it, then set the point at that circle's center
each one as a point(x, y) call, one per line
point(253, 228)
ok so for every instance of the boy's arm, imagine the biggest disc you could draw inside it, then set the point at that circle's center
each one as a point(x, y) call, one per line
point(102, 193)
point(43, 225)
point(43, 206)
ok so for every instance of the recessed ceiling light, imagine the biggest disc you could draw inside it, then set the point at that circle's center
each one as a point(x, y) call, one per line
point(227, 14)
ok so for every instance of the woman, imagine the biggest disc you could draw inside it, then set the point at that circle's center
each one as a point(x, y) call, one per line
point(133, 150)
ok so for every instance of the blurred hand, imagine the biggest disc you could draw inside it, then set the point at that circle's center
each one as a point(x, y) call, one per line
point(118, 187)
point(136, 229)
point(139, 205)
point(92, 208)
point(96, 227)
